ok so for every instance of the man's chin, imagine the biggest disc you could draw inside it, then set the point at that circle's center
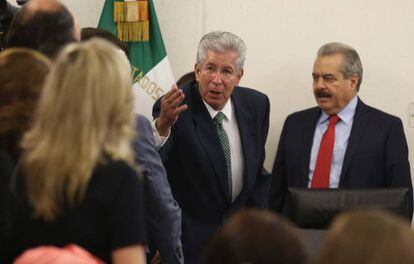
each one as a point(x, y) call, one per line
point(323, 105)
point(215, 104)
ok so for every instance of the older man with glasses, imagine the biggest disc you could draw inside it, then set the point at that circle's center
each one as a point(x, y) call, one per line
point(213, 135)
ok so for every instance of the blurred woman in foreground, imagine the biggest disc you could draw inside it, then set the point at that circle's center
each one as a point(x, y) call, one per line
point(76, 183)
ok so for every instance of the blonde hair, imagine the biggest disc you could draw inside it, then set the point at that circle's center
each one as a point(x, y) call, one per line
point(85, 115)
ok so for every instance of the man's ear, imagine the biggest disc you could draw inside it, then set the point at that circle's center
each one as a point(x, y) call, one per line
point(239, 76)
point(354, 82)
point(197, 71)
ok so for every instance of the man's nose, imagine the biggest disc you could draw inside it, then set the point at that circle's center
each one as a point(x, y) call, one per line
point(319, 83)
point(217, 78)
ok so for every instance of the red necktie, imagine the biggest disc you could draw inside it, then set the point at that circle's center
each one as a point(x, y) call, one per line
point(323, 163)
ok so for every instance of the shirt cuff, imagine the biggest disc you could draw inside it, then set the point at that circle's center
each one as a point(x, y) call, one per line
point(159, 140)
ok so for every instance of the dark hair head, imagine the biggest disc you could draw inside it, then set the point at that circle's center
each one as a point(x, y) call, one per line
point(89, 32)
point(22, 72)
point(44, 29)
point(254, 236)
point(190, 76)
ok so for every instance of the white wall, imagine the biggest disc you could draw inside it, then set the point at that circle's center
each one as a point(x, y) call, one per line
point(282, 37)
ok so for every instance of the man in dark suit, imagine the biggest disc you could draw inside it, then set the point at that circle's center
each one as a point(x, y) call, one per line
point(162, 213)
point(214, 150)
point(342, 143)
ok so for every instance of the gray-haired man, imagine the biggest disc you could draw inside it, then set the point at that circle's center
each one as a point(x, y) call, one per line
point(342, 143)
point(216, 133)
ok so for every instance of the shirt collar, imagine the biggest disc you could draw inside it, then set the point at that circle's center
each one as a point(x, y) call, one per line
point(227, 109)
point(346, 114)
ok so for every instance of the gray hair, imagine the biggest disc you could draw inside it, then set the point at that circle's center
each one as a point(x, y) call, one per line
point(351, 64)
point(221, 41)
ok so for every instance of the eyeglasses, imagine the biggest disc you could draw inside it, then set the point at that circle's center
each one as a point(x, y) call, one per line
point(226, 73)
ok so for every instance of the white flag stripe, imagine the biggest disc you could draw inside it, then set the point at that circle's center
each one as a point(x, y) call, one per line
point(152, 86)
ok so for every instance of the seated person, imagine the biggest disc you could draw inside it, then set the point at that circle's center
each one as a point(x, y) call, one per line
point(255, 236)
point(44, 25)
point(368, 237)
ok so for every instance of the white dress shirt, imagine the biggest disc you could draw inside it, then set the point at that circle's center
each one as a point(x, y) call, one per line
point(237, 159)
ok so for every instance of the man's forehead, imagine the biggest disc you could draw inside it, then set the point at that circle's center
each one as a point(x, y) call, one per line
point(224, 58)
point(328, 64)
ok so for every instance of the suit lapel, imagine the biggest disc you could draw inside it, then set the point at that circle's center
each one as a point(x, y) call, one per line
point(358, 127)
point(247, 131)
point(207, 135)
point(309, 126)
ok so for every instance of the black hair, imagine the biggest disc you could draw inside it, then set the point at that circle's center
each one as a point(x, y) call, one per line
point(90, 32)
point(45, 31)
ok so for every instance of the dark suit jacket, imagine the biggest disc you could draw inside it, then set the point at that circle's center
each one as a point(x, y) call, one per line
point(7, 165)
point(163, 215)
point(376, 156)
point(196, 166)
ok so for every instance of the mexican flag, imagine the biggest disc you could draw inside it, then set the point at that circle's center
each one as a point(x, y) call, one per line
point(135, 22)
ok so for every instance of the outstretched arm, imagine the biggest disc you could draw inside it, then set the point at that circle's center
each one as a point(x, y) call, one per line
point(163, 215)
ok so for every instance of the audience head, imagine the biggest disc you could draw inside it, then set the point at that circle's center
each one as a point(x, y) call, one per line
point(22, 72)
point(84, 116)
point(219, 67)
point(368, 237)
point(259, 237)
point(190, 76)
point(337, 76)
point(43, 25)
point(90, 32)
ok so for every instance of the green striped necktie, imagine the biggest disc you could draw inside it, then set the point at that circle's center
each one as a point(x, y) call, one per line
point(224, 140)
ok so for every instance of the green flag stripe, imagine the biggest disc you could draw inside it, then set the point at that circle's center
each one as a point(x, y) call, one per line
point(143, 55)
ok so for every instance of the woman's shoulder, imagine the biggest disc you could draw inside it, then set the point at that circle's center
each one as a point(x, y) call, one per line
point(120, 167)
point(113, 175)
